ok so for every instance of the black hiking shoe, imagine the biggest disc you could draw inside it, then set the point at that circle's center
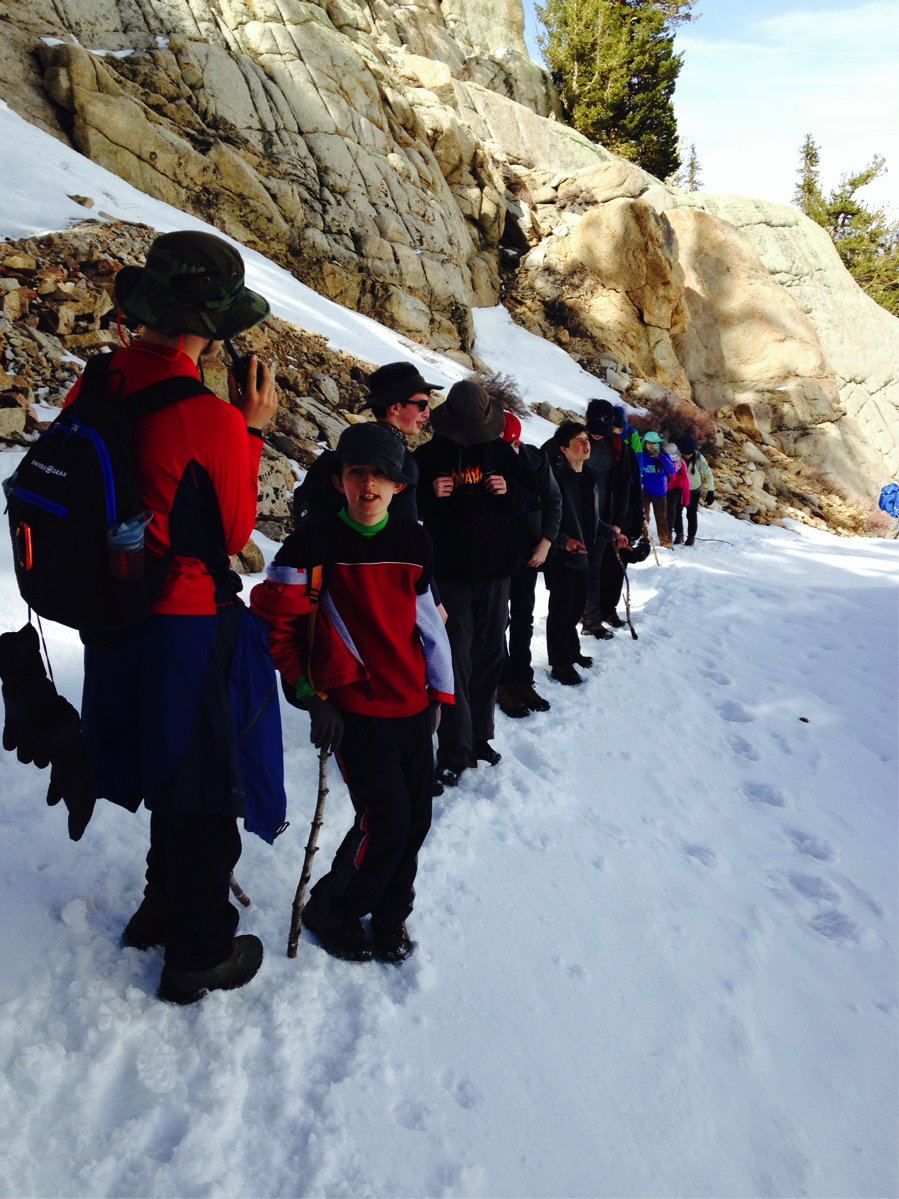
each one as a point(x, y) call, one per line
point(566, 675)
point(614, 621)
point(510, 702)
point(484, 752)
point(679, 539)
point(583, 660)
point(148, 926)
point(392, 941)
point(599, 631)
point(530, 698)
point(187, 986)
point(341, 936)
point(445, 777)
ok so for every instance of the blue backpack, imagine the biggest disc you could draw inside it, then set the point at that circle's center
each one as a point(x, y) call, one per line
point(889, 499)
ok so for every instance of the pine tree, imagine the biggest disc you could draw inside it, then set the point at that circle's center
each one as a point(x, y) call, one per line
point(807, 195)
point(866, 240)
point(615, 68)
point(687, 176)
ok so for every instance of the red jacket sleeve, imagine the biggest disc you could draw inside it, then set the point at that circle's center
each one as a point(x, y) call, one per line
point(282, 602)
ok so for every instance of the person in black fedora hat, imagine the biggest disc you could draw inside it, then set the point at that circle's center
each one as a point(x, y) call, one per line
point(360, 645)
point(470, 485)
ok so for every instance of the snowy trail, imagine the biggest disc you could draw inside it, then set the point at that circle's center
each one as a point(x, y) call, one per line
point(656, 945)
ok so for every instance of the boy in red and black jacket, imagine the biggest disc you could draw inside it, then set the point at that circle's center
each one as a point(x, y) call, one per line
point(357, 637)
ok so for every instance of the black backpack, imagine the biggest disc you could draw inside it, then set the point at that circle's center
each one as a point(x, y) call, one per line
point(75, 484)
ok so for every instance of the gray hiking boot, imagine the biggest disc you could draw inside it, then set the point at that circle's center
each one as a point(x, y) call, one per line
point(187, 986)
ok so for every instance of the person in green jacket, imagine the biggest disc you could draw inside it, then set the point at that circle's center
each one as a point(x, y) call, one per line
point(622, 429)
point(702, 483)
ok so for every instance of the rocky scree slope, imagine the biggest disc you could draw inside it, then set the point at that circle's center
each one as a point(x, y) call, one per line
point(56, 293)
point(404, 160)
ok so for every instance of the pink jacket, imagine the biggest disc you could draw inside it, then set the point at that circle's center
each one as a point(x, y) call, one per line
point(681, 479)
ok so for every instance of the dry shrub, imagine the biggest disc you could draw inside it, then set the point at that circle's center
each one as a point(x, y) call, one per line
point(575, 197)
point(676, 419)
point(503, 388)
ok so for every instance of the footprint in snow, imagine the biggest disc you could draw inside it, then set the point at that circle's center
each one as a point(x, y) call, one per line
point(700, 853)
point(813, 847)
point(717, 676)
point(812, 886)
point(764, 793)
point(741, 746)
point(735, 713)
point(463, 1090)
point(838, 928)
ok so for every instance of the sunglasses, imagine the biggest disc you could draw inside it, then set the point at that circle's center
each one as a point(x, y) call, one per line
point(421, 405)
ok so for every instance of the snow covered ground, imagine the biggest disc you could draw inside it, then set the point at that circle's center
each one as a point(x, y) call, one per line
point(656, 946)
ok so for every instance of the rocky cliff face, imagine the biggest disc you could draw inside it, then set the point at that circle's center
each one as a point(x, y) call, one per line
point(406, 160)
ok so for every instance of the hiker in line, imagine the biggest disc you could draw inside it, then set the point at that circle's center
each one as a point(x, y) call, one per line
point(616, 470)
point(702, 484)
point(568, 566)
point(159, 720)
point(470, 485)
point(625, 431)
point(656, 469)
point(678, 493)
point(398, 398)
point(356, 635)
point(535, 530)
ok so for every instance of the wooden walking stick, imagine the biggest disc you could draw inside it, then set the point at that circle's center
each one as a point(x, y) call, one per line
point(627, 596)
point(646, 533)
point(238, 892)
point(311, 850)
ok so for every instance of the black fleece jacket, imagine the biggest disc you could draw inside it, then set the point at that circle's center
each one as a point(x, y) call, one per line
point(581, 497)
point(472, 528)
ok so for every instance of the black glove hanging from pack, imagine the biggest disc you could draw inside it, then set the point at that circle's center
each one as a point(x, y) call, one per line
point(43, 727)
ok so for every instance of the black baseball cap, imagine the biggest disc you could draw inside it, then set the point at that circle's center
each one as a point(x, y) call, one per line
point(372, 445)
point(396, 382)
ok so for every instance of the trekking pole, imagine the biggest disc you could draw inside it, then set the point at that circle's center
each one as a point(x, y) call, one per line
point(627, 596)
point(238, 892)
point(646, 533)
point(311, 850)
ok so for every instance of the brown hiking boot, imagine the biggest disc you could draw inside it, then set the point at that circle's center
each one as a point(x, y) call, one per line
point(510, 703)
point(392, 941)
point(530, 698)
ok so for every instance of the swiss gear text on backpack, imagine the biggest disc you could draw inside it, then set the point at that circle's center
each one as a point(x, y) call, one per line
point(75, 484)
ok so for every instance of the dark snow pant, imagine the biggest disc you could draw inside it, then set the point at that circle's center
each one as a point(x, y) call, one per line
point(517, 666)
point(676, 513)
point(567, 596)
point(477, 614)
point(189, 869)
point(659, 505)
point(604, 582)
point(388, 767)
point(692, 514)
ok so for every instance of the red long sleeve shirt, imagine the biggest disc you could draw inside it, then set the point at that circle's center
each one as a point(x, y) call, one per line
point(204, 430)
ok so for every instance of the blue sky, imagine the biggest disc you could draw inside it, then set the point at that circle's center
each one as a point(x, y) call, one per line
point(757, 77)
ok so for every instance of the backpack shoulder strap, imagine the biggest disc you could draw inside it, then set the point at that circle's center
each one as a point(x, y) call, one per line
point(167, 391)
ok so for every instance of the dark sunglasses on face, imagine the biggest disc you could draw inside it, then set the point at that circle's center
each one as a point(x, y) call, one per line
point(421, 405)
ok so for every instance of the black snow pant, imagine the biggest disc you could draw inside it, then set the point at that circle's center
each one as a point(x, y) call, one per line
point(388, 767)
point(477, 614)
point(567, 596)
point(604, 582)
point(692, 514)
point(676, 512)
point(189, 869)
point(517, 666)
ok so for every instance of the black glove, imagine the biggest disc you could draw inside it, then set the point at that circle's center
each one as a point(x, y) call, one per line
point(326, 730)
point(709, 498)
point(436, 708)
point(72, 780)
point(43, 727)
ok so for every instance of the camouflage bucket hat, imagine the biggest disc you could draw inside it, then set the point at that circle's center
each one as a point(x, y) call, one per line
point(191, 283)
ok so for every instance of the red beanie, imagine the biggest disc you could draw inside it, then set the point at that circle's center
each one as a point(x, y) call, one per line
point(512, 431)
